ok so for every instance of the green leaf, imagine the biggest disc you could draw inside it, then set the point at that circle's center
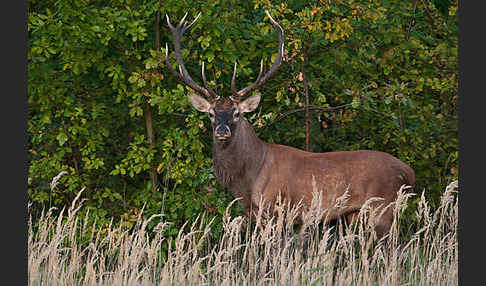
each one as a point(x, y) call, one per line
point(61, 138)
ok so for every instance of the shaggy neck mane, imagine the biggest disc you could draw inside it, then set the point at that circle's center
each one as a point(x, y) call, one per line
point(234, 163)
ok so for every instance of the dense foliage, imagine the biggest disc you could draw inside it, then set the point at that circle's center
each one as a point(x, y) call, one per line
point(104, 108)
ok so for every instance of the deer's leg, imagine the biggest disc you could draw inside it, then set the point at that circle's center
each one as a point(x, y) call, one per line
point(384, 223)
point(351, 219)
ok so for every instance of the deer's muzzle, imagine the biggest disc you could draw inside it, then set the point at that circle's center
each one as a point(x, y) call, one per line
point(222, 132)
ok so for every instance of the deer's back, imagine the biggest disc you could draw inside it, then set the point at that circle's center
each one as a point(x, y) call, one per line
point(364, 173)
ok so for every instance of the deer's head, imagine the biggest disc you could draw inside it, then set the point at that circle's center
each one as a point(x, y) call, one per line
point(225, 113)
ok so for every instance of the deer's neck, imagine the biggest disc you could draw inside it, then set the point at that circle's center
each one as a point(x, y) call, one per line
point(237, 164)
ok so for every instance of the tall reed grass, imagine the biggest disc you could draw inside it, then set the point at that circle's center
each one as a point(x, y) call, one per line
point(269, 251)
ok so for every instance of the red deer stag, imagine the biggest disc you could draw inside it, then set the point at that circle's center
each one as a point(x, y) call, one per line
point(253, 169)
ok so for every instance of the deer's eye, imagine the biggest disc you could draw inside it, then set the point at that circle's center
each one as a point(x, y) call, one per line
point(211, 115)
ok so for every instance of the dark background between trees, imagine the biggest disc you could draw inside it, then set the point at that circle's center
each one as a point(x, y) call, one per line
point(103, 107)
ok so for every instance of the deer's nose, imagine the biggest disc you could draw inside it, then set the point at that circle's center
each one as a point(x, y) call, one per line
point(223, 131)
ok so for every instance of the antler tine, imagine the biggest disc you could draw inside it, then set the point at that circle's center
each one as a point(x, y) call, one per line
point(169, 66)
point(237, 95)
point(206, 84)
point(278, 61)
point(260, 73)
point(183, 74)
point(181, 22)
point(185, 27)
point(233, 85)
point(168, 22)
point(273, 21)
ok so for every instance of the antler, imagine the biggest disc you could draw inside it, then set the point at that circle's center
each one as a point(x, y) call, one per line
point(237, 95)
point(183, 75)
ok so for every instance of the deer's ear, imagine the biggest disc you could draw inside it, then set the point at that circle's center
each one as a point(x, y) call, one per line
point(250, 104)
point(199, 102)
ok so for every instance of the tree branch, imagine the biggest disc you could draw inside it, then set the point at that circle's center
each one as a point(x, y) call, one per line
point(321, 108)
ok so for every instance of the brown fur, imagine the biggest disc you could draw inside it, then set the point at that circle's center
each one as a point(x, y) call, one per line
point(252, 169)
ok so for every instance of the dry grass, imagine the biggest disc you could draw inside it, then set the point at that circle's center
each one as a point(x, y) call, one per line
point(272, 253)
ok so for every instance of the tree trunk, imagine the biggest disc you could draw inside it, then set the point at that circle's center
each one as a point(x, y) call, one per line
point(150, 135)
point(148, 114)
point(307, 113)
